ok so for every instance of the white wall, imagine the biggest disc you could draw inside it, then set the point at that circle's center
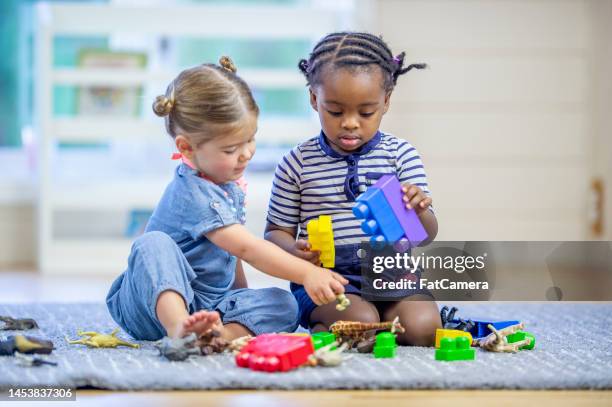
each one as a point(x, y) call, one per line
point(503, 119)
point(512, 119)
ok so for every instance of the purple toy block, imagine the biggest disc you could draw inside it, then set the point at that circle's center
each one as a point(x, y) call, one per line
point(378, 219)
point(408, 219)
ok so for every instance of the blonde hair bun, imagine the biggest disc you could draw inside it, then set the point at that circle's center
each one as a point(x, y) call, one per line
point(162, 106)
point(227, 63)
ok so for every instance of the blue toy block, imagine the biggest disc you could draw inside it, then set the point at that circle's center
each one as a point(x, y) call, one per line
point(481, 329)
point(408, 219)
point(378, 218)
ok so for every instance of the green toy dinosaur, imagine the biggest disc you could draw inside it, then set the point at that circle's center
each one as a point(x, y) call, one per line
point(98, 340)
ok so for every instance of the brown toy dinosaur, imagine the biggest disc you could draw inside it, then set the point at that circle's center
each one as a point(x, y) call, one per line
point(496, 341)
point(354, 332)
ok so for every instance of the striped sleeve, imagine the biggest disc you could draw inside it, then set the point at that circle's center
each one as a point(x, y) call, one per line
point(284, 205)
point(410, 168)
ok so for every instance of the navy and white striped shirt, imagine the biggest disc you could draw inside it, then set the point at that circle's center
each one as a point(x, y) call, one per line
point(312, 180)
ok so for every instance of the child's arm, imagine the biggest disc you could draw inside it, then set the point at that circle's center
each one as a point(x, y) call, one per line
point(240, 281)
point(284, 238)
point(322, 285)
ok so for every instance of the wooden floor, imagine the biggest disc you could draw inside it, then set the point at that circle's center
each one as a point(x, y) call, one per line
point(24, 287)
point(339, 398)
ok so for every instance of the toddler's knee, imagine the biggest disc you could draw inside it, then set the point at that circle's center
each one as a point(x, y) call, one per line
point(153, 242)
point(420, 330)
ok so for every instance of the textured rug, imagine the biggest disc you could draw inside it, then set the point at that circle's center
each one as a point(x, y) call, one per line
point(573, 351)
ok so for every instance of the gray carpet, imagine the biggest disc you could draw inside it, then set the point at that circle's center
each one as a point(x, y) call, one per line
point(573, 351)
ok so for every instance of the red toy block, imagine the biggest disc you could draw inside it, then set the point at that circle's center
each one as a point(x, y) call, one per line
point(275, 352)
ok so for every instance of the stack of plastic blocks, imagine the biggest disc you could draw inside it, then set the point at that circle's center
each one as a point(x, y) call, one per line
point(450, 333)
point(321, 238)
point(458, 348)
point(385, 216)
point(385, 345)
point(275, 352)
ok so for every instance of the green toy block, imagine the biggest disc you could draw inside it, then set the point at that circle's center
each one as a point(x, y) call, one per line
point(321, 339)
point(385, 345)
point(455, 349)
point(519, 336)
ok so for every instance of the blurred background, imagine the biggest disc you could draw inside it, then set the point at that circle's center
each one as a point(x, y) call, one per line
point(513, 119)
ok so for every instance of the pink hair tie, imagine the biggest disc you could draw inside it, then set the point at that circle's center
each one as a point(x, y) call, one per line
point(397, 60)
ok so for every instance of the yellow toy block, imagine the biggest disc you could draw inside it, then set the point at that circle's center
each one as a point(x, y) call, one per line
point(450, 333)
point(321, 237)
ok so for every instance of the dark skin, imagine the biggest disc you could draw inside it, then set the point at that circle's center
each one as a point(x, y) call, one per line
point(351, 105)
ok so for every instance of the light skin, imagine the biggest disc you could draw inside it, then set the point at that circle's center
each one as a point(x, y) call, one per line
point(351, 104)
point(223, 159)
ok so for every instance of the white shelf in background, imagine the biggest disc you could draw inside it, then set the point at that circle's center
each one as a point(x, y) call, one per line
point(256, 78)
point(81, 129)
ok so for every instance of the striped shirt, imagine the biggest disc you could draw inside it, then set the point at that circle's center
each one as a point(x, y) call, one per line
point(312, 180)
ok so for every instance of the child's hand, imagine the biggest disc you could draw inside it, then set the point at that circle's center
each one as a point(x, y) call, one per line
point(302, 250)
point(322, 285)
point(414, 197)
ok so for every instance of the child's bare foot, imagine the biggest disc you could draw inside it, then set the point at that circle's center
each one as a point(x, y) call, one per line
point(199, 323)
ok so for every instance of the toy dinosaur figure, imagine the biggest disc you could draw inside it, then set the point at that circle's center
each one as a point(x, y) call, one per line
point(450, 322)
point(237, 344)
point(15, 324)
point(24, 344)
point(353, 332)
point(325, 356)
point(178, 349)
point(211, 342)
point(496, 341)
point(98, 340)
point(28, 361)
point(343, 302)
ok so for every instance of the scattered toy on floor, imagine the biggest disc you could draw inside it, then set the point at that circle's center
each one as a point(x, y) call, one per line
point(450, 322)
point(98, 340)
point(366, 345)
point(520, 336)
point(385, 345)
point(354, 332)
point(481, 327)
point(452, 349)
point(178, 349)
point(31, 361)
point(15, 324)
point(450, 333)
point(321, 339)
point(496, 341)
point(212, 342)
point(25, 344)
point(275, 352)
point(237, 344)
point(328, 355)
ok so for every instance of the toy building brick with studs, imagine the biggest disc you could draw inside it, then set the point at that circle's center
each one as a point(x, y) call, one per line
point(385, 216)
point(275, 352)
point(321, 238)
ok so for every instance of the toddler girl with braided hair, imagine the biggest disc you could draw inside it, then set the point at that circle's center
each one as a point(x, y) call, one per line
point(351, 76)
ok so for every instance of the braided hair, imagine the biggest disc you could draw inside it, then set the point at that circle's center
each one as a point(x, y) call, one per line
point(355, 50)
